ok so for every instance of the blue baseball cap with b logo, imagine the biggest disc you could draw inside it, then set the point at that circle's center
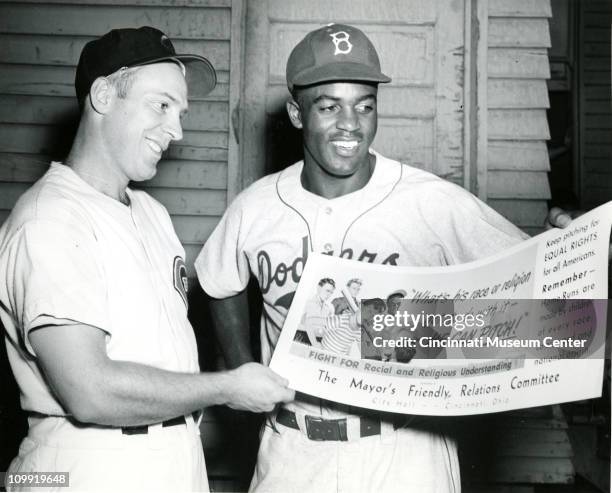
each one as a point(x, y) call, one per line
point(336, 52)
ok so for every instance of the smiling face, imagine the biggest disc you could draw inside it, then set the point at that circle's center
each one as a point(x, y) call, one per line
point(140, 125)
point(339, 122)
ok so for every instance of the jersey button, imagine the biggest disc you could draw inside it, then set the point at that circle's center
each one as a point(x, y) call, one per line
point(328, 210)
point(328, 247)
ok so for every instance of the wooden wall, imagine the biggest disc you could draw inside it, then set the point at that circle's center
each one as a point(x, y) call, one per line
point(510, 452)
point(517, 99)
point(594, 109)
point(40, 42)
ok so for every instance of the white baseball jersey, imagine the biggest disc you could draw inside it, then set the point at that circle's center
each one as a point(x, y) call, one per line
point(71, 255)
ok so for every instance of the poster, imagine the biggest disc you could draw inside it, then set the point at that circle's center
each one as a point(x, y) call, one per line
point(523, 328)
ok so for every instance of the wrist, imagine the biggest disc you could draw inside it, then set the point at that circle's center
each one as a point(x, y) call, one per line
point(224, 386)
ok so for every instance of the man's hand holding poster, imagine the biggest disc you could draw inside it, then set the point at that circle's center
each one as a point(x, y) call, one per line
point(520, 329)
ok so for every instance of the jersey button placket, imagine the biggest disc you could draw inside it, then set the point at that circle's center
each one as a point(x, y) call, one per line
point(156, 282)
point(325, 229)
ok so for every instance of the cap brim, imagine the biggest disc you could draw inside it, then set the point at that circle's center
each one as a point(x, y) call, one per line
point(348, 71)
point(200, 75)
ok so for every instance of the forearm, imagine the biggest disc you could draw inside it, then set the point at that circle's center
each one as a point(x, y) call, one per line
point(97, 389)
point(231, 325)
point(129, 394)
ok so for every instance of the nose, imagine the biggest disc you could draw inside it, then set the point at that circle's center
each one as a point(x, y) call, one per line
point(348, 120)
point(173, 126)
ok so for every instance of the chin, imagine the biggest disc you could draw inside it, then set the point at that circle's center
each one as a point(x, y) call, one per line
point(347, 166)
point(150, 168)
point(145, 175)
point(151, 174)
point(342, 171)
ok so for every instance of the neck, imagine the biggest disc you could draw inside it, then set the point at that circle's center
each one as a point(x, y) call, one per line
point(316, 180)
point(89, 159)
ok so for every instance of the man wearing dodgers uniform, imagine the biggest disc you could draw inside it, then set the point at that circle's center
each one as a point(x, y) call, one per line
point(93, 295)
point(343, 199)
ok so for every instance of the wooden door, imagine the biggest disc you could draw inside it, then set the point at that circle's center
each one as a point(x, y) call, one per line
point(421, 46)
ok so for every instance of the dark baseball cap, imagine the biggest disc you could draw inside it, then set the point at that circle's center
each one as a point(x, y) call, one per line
point(131, 47)
point(336, 52)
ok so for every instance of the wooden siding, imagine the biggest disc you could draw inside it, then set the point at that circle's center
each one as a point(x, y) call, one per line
point(527, 446)
point(595, 110)
point(517, 99)
point(40, 42)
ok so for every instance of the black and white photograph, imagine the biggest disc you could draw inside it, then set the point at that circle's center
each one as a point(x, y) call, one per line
point(167, 168)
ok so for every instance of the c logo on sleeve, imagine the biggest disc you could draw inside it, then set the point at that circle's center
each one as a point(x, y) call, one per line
point(180, 277)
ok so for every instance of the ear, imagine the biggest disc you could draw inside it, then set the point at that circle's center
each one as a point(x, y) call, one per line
point(295, 113)
point(101, 95)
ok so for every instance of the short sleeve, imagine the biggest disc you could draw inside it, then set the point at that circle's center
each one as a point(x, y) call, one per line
point(471, 229)
point(56, 277)
point(222, 265)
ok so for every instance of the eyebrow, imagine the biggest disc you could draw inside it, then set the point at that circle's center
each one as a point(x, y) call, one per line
point(322, 97)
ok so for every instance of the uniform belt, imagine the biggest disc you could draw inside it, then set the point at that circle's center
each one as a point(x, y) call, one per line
point(144, 429)
point(321, 429)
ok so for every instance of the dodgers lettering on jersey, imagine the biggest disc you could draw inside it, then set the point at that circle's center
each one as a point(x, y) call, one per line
point(282, 276)
point(268, 273)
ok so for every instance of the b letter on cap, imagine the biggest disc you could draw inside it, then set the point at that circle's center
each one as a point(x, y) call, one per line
point(341, 42)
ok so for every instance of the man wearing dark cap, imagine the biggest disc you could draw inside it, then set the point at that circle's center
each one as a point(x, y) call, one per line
point(344, 199)
point(94, 295)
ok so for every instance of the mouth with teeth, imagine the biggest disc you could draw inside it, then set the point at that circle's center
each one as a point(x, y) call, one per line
point(345, 147)
point(156, 147)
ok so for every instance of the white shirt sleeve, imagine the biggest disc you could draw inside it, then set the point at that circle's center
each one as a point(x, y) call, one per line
point(56, 278)
point(222, 265)
point(470, 229)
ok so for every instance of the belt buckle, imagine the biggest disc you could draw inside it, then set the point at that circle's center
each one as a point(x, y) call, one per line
point(320, 429)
